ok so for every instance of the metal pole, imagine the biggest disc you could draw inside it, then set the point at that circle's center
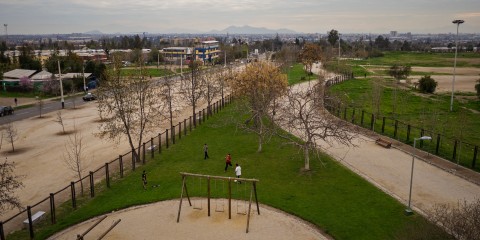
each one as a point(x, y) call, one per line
point(61, 85)
point(458, 22)
point(409, 211)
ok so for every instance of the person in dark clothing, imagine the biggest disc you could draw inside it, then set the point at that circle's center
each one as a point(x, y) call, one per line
point(144, 180)
point(205, 150)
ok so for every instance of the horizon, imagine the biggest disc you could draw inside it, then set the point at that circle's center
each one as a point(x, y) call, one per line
point(199, 16)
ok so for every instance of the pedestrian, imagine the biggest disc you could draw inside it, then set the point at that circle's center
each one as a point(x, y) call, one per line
point(228, 161)
point(205, 150)
point(238, 172)
point(144, 180)
point(16, 102)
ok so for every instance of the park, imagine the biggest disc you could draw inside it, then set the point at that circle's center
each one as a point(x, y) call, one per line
point(343, 187)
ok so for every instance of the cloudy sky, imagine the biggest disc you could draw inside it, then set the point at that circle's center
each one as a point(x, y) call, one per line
point(309, 16)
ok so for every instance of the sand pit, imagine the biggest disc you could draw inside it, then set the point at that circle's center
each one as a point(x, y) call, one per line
point(158, 221)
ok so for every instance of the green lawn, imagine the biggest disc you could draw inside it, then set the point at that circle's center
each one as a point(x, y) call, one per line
point(422, 59)
point(332, 197)
point(153, 72)
point(296, 74)
point(430, 112)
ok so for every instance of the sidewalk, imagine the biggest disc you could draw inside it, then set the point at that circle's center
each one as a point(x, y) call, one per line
point(389, 170)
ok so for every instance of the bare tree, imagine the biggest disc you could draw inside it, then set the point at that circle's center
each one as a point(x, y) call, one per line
point(376, 94)
point(128, 105)
point(59, 120)
point(11, 134)
point(74, 157)
point(167, 86)
point(72, 97)
point(302, 114)
point(9, 183)
point(192, 88)
point(212, 88)
point(461, 220)
point(257, 88)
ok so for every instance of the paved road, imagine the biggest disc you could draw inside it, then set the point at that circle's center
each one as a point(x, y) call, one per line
point(49, 106)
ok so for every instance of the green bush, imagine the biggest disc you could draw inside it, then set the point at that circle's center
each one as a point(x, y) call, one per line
point(427, 84)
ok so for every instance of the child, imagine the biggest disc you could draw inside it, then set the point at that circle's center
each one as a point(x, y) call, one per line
point(228, 161)
point(238, 172)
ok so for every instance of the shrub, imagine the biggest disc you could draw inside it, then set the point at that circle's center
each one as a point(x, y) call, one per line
point(427, 84)
point(477, 87)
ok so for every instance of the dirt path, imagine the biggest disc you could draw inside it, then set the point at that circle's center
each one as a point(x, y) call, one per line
point(159, 221)
point(389, 169)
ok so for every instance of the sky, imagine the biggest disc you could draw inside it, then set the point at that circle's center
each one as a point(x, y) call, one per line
point(307, 16)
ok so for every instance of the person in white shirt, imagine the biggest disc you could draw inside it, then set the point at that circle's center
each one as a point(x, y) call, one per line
point(238, 171)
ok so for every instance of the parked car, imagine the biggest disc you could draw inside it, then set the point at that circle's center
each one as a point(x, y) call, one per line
point(6, 110)
point(89, 97)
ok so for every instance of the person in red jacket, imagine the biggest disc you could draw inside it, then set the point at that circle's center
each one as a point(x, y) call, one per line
point(228, 161)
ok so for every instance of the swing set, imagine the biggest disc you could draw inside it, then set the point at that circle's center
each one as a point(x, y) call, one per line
point(220, 202)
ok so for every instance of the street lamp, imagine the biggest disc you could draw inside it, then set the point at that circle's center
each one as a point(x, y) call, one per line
point(409, 211)
point(458, 22)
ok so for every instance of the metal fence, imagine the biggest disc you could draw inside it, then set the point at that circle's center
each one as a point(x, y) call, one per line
point(101, 178)
point(452, 149)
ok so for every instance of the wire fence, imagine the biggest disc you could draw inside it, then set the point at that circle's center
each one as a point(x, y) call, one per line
point(452, 149)
point(68, 198)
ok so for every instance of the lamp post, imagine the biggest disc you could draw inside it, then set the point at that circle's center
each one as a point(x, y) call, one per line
point(339, 39)
point(409, 211)
point(458, 22)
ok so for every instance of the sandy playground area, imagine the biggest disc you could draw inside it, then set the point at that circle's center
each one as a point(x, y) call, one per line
point(159, 221)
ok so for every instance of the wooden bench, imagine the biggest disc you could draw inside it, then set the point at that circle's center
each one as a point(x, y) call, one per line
point(384, 143)
point(37, 217)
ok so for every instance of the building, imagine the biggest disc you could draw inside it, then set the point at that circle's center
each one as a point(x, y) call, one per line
point(207, 51)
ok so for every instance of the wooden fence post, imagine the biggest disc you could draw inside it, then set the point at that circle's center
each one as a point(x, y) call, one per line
point(143, 159)
point(152, 149)
point(408, 132)
point(475, 151)
point(179, 130)
point(166, 138)
point(438, 144)
point(107, 175)
point(395, 131)
point(353, 116)
point(133, 159)
point(30, 222)
point(173, 135)
point(190, 123)
point(194, 121)
point(383, 125)
point(455, 150)
point(92, 186)
point(52, 208)
point(74, 195)
point(2, 232)
point(159, 143)
point(361, 122)
point(120, 163)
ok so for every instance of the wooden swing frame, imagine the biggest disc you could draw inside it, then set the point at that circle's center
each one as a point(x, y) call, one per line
point(253, 191)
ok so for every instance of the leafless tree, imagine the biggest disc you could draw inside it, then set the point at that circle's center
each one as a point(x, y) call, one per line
point(59, 120)
point(167, 95)
point(74, 157)
point(9, 183)
point(72, 97)
point(460, 220)
point(11, 134)
point(212, 88)
point(302, 114)
point(192, 87)
point(128, 105)
point(376, 94)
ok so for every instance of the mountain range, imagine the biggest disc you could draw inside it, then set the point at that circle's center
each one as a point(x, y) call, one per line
point(230, 30)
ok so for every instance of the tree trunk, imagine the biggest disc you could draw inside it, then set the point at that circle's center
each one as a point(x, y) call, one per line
point(307, 158)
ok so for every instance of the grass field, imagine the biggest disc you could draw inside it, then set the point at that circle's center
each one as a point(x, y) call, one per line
point(422, 59)
point(153, 72)
point(331, 196)
point(296, 74)
point(430, 112)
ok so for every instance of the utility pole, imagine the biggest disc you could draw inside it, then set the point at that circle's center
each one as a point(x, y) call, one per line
point(6, 33)
point(61, 85)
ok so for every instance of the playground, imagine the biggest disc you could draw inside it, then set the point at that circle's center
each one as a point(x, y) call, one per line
point(158, 220)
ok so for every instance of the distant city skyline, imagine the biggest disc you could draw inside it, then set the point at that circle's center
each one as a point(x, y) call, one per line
point(182, 16)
